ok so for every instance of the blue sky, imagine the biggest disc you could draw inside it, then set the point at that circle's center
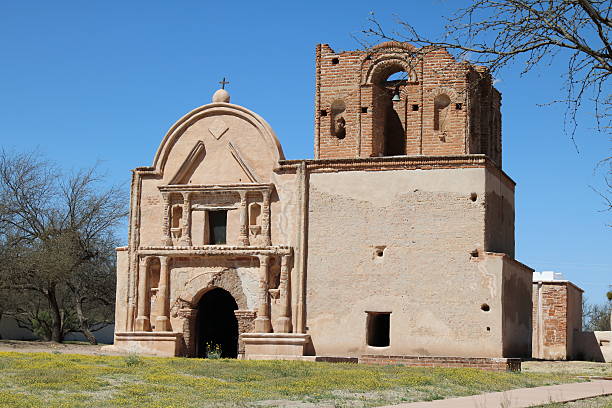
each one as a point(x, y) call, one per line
point(103, 81)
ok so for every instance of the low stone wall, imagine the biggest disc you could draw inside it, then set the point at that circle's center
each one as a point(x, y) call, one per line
point(492, 364)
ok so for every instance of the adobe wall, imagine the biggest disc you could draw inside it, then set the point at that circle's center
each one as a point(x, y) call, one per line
point(517, 306)
point(429, 230)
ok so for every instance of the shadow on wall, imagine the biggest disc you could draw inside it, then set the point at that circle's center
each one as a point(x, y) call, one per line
point(9, 330)
point(593, 346)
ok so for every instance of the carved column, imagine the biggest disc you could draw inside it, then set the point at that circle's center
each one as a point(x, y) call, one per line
point(262, 322)
point(284, 321)
point(186, 233)
point(162, 321)
point(166, 237)
point(245, 320)
point(244, 219)
point(189, 334)
point(143, 322)
point(265, 218)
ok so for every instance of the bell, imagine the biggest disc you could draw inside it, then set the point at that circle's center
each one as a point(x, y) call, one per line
point(396, 97)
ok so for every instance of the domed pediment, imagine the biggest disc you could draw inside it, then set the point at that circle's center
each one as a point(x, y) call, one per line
point(218, 143)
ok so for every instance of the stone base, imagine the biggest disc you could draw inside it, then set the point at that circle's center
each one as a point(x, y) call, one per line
point(163, 344)
point(484, 363)
point(270, 346)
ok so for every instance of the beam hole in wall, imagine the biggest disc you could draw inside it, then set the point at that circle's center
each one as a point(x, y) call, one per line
point(488, 328)
point(474, 253)
point(379, 251)
point(458, 106)
point(484, 307)
point(473, 196)
point(335, 61)
point(364, 109)
point(415, 108)
point(323, 112)
point(378, 325)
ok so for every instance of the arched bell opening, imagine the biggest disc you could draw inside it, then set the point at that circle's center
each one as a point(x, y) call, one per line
point(216, 325)
point(389, 107)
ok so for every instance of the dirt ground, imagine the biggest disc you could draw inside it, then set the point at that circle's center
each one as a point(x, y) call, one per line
point(50, 347)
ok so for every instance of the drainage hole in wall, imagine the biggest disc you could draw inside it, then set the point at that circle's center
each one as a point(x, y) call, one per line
point(484, 307)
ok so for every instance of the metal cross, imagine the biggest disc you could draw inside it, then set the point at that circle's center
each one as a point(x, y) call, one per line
point(223, 83)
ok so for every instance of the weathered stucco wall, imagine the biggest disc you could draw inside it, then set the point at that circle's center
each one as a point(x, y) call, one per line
point(499, 213)
point(402, 242)
point(121, 296)
point(517, 308)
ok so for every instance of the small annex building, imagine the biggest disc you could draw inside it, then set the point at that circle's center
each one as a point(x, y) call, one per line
point(396, 240)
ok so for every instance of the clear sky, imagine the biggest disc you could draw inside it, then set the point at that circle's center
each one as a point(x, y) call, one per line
point(103, 81)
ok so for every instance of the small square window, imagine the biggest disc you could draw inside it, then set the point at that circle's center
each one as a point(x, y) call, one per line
point(378, 325)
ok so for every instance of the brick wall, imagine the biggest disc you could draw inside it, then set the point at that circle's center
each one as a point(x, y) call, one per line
point(445, 107)
point(491, 364)
point(557, 314)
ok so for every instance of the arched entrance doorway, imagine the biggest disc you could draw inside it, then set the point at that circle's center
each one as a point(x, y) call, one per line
point(217, 323)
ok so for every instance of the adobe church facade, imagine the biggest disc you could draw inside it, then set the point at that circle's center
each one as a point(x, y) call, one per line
point(397, 239)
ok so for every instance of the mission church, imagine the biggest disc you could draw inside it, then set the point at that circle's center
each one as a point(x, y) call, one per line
point(395, 242)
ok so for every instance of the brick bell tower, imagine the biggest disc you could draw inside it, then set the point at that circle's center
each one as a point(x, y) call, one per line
point(396, 100)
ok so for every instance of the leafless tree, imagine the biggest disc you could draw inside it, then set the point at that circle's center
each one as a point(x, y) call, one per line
point(57, 235)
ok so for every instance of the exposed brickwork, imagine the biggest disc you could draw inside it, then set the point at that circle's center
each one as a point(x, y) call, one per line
point(491, 364)
point(556, 315)
point(445, 107)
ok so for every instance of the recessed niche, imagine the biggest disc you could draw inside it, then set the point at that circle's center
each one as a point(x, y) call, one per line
point(484, 307)
point(335, 61)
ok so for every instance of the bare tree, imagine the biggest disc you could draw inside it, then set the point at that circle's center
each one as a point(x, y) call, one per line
point(57, 234)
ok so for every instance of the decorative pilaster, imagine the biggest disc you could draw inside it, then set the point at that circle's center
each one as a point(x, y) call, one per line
point(143, 322)
point(166, 237)
point(162, 321)
point(186, 233)
point(265, 218)
point(245, 320)
point(244, 219)
point(262, 322)
point(284, 321)
point(189, 322)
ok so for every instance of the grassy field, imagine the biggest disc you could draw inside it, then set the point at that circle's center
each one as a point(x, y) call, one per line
point(70, 380)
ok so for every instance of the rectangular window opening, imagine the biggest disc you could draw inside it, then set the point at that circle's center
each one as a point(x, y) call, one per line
point(217, 221)
point(378, 324)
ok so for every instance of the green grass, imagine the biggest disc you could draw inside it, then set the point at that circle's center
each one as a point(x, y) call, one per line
point(68, 380)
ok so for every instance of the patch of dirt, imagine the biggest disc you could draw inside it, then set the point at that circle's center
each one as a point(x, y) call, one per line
point(22, 346)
